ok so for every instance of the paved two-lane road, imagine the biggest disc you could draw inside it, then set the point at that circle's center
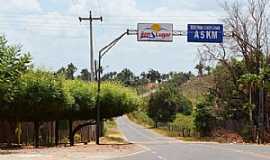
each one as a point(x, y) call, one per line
point(157, 147)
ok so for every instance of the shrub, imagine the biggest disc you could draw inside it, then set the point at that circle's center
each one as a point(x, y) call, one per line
point(84, 99)
point(13, 63)
point(141, 118)
point(117, 100)
point(184, 121)
point(40, 96)
point(203, 117)
point(166, 102)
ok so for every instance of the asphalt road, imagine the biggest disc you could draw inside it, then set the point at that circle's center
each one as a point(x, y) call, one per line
point(157, 147)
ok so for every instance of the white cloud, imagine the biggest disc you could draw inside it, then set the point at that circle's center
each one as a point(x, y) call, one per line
point(55, 39)
point(13, 6)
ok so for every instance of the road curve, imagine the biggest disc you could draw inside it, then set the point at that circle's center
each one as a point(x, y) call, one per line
point(157, 147)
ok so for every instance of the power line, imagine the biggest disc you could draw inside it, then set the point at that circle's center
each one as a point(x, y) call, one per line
point(99, 7)
point(113, 16)
point(55, 29)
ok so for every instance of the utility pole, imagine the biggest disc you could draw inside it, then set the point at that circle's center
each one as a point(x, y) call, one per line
point(101, 53)
point(96, 77)
point(91, 19)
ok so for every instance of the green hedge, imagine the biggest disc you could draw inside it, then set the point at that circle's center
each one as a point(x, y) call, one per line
point(42, 95)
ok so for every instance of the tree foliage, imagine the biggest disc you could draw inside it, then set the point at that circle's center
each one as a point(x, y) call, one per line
point(203, 115)
point(125, 76)
point(42, 95)
point(245, 56)
point(166, 102)
point(85, 75)
point(153, 75)
point(13, 63)
point(68, 72)
point(38, 95)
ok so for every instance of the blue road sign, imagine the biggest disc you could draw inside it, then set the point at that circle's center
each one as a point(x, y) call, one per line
point(210, 33)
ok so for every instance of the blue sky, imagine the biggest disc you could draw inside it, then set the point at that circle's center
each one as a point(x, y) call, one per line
point(51, 32)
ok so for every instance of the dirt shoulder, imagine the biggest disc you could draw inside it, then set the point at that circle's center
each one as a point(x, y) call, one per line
point(113, 145)
point(78, 152)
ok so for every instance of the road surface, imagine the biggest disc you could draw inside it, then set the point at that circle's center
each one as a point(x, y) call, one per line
point(157, 147)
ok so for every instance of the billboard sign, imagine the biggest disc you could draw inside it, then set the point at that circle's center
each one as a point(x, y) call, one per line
point(210, 33)
point(162, 32)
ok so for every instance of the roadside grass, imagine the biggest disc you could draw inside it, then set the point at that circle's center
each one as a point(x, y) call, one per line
point(141, 118)
point(134, 117)
point(112, 134)
point(197, 139)
point(165, 132)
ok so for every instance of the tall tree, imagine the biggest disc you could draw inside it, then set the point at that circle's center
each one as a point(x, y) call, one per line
point(13, 63)
point(177, 79)
point(68, 71)
point(85, 75)
point(153, 75)
point(166, 102)
point(208, 69)
point(250, 41)
point(200, 67)
point(71, 69)
point(165, 77)
point(125, 76)
point(61, 71)
point(109, 76)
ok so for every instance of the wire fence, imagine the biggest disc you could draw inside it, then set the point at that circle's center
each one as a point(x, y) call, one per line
point(178, 130)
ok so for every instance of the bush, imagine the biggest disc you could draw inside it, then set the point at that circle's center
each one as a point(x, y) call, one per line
point(184, 121)
point(13, 64)
point(182, 125)
point(141, 118)
point(117, 100)
point(185, 106)
point(84, 99)
point(166, 102)
point(203, 118)
point(41, 95)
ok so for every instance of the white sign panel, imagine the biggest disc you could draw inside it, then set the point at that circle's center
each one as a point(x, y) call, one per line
point(155, 32)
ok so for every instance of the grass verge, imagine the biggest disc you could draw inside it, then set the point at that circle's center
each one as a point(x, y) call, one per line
point(136, 118)
point(112, 134)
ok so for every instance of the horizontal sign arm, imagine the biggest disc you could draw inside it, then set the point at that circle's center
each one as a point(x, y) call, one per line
point(175, 33)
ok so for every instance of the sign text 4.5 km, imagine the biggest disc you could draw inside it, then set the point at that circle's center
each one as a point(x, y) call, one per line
point(210, 33)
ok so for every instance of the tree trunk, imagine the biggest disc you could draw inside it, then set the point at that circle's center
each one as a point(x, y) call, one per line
point(56, 132)
point(102, 129)
point(78, 128)
point(36, 128)
point(71, 137)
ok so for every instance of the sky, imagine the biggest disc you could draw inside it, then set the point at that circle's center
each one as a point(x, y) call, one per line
point(51, 32)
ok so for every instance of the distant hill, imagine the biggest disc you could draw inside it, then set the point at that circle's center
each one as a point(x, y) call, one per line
point(197, 87)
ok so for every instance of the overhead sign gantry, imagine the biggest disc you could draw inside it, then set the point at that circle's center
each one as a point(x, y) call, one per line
point(160, 32)
point(163, 32)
